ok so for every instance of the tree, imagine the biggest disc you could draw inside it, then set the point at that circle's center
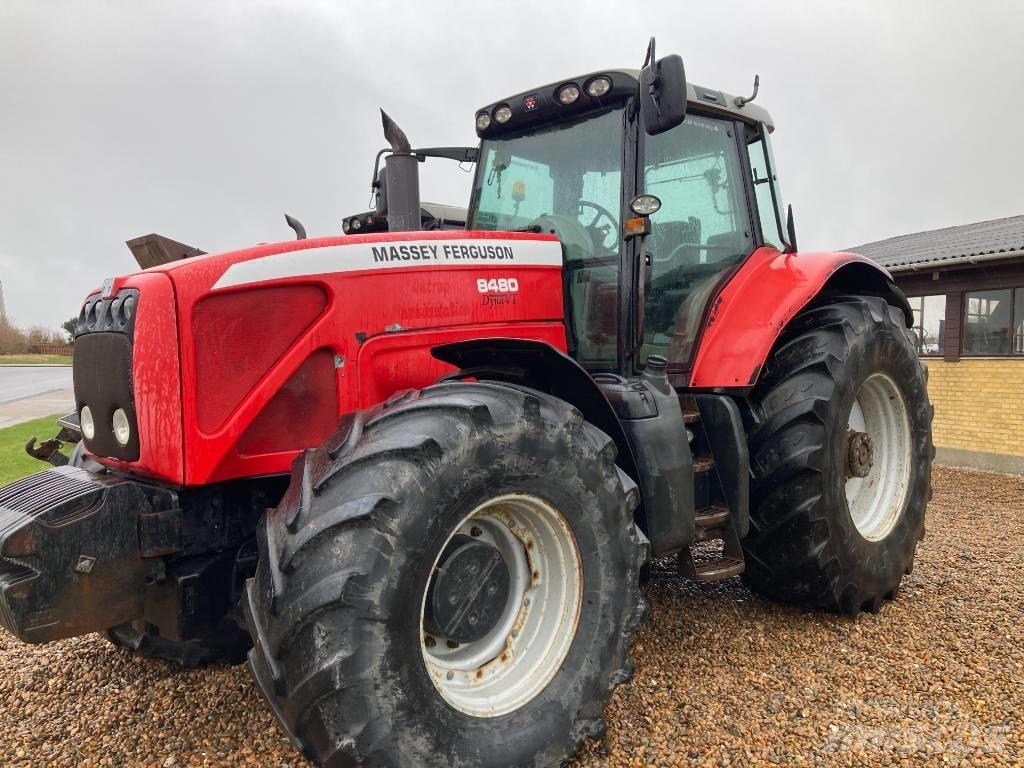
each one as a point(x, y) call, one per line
point(40, 334)
point(12, 340)
point(69, 328)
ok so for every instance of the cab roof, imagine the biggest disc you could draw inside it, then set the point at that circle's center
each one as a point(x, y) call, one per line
point(624, 84)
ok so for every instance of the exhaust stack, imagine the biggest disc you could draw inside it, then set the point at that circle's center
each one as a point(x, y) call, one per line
point(402, 180)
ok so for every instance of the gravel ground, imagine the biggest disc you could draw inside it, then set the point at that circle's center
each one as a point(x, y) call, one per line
point(723, 677)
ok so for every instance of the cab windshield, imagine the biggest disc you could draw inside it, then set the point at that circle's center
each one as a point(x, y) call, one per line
point(566, 179)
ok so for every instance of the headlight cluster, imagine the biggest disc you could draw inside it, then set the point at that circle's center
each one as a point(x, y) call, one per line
point(119, 425)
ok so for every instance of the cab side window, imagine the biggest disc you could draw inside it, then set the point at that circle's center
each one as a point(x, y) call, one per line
point(766, 189)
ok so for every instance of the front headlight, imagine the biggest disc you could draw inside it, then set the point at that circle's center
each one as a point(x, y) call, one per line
point(88, 425)
point(122, 429)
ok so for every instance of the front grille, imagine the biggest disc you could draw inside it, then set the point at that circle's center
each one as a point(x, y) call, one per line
point(102, 369)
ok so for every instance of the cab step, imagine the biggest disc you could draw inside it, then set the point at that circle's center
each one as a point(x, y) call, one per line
point(703, 463)
point(713, 523)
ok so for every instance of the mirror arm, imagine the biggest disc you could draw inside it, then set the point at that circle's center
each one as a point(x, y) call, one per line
point(791, 246)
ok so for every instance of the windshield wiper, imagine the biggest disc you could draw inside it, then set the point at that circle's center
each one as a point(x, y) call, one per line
point(535, 228)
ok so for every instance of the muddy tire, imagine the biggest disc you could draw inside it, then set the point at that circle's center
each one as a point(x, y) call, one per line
point(229, 644)
point(836, 516)
point(339, 605)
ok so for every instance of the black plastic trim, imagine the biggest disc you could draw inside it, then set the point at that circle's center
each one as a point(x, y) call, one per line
point(723, 426)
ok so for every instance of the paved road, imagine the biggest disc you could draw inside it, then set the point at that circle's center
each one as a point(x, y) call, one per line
point(33, 391)
point(20, 381)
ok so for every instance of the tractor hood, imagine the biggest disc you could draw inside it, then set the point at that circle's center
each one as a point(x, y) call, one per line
point(236, 361)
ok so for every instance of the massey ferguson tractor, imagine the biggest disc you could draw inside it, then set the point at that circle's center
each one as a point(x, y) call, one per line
point(413, 473)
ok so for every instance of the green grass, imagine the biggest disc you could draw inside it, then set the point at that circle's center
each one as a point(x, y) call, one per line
point(35, 360)
point(14, 462)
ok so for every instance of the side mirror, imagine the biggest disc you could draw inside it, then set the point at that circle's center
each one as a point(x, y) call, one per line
point(790, 230)
point(381, 186)
point(663, 94)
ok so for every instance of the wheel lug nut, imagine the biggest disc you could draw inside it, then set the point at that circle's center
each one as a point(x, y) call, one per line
point(474, 531)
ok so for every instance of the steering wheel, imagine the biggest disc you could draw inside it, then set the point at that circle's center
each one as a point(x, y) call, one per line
point(573, 235)
point(601, 212)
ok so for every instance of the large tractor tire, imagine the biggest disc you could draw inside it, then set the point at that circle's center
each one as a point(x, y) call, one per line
point(840, 454)
point(450, 581)
point(228, 644)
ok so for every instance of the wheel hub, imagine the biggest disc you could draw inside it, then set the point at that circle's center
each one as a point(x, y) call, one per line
point(524, 626)
point(859, 454)
point(878, 460)
point(469, 591)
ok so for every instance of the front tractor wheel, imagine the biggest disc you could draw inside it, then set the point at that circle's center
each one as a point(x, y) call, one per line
point(451, 580)
point(841, 457)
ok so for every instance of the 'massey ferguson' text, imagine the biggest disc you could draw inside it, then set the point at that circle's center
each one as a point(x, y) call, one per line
point(441, 252)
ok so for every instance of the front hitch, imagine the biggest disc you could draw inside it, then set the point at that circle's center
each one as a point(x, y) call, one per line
point(76, 550)
point(49, 450)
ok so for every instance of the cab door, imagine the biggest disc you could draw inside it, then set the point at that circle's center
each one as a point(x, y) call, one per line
point(702, 231)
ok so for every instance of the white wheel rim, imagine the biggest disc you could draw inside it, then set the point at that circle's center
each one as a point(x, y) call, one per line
point(516, 660)
point(876, 501)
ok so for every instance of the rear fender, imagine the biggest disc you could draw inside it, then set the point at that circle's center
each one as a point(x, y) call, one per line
point(764, 295)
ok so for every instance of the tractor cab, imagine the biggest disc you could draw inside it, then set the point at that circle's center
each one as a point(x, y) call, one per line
point(569, 158)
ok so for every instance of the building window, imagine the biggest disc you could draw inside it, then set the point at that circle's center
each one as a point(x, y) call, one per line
point(1018, 322)
point(929, 323)
point(991, 324)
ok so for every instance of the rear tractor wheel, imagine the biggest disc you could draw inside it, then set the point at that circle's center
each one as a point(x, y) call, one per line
point(841, 455)
point(451, 580)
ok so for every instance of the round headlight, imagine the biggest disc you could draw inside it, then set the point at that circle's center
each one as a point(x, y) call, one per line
point(644, 205)
point(88, 425)
point(567, 94)
point(503, 114)
point(483, 121)
point(122, 430)
point(598, 87)
point(344, 226)
point(356, 224)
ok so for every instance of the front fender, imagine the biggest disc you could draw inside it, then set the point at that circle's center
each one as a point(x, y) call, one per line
point(764, 295)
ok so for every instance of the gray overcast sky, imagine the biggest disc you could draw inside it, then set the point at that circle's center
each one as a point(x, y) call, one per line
point(205, 121)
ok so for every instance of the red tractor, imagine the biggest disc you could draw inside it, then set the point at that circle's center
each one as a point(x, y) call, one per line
point(415, 476)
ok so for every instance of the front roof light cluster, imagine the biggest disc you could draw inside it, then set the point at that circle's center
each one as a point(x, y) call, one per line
point(545, 104)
